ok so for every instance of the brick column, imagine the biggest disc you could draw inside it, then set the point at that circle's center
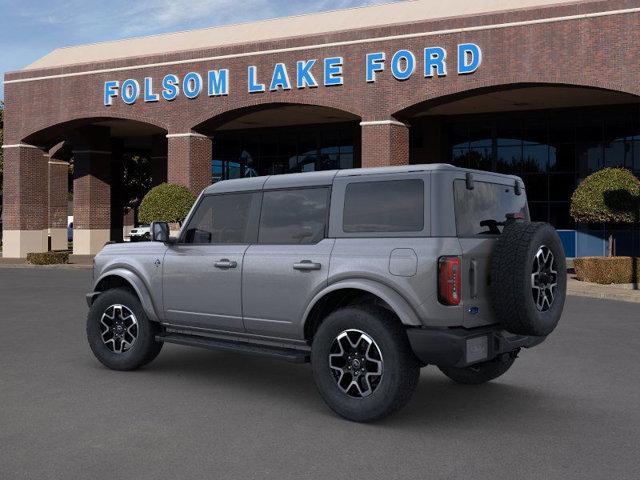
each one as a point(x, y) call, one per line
point(158, 160)
point(384, 143)
point(91, 200)
point(58, 191)
point(189, 160)
point(117, 208)
point(25, 211)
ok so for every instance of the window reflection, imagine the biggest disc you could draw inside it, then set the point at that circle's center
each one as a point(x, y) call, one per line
point(250, 153)
point(551, 150)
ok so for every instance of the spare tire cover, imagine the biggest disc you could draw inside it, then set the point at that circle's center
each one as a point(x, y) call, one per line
point(528, 278)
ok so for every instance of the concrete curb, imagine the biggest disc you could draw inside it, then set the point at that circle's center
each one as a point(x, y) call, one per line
point(623, 293)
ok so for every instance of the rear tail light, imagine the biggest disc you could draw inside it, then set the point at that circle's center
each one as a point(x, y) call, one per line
point(449, 284)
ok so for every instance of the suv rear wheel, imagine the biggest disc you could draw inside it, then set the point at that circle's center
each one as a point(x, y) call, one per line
point(362, 363)
point(119, 332)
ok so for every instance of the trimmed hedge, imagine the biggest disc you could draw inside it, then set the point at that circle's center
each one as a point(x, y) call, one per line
point(48, 258)
point(611, 195)
point(166, 202)
point(606, 270)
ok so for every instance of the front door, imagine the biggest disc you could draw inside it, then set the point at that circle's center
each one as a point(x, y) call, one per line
point(202, 275)
point(290, 263)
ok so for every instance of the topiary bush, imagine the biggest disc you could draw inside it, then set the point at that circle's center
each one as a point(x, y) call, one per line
point(48, 258)
point(607, 270)
point(166, 202)
point(611, 195)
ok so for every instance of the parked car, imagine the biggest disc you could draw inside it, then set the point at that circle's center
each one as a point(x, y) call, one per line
point(140, 233)
point(369, 274)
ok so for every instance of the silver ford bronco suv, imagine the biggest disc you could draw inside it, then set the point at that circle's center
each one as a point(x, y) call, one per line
point(369, 274)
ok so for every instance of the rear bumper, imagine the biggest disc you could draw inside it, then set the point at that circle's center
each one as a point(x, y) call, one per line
point(461, 347)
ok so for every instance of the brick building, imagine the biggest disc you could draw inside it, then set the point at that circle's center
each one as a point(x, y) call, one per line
point(546, 89)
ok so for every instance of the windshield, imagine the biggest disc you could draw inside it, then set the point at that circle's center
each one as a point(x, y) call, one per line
point(483, 210)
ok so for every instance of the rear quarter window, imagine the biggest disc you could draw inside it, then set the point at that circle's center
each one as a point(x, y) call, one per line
point(483, 210)
point(384, 206)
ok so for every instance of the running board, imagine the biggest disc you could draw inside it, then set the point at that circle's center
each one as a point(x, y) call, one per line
point(281, 353)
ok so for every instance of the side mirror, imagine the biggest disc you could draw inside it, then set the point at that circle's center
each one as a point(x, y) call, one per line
point(160, 232)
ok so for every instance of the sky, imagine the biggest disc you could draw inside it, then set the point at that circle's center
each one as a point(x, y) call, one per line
point(29, 29)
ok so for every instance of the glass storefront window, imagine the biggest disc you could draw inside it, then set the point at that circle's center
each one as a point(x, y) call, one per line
point(535, 158)
point(249, 153)
point(551, 150)
point(509, 159)
point(618, 154)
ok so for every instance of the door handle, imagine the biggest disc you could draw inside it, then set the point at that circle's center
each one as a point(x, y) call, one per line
point(306, 265)
point(226, 263)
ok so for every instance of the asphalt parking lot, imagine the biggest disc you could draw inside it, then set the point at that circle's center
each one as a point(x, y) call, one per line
point(567, 409)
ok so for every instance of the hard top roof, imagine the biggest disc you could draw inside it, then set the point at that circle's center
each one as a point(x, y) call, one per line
point(324, 178)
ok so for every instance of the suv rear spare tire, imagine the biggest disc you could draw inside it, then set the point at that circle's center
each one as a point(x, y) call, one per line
point(528, 278)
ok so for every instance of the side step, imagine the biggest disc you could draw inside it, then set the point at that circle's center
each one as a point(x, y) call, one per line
point(287, 354)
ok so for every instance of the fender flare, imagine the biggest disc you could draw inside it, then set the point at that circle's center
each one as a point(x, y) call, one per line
point(138, 286)
point(397, 302)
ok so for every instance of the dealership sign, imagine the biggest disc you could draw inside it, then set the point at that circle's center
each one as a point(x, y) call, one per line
point(309, 73)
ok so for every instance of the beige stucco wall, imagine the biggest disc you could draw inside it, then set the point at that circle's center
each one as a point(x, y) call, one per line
point(17, 243)
point(89, 242)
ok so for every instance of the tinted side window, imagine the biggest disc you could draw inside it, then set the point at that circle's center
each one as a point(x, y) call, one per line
point(229, 218)
point(294, 216)
point(483, 210)
point(386, 206)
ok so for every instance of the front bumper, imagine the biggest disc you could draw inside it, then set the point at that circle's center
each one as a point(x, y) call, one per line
point(461, 347)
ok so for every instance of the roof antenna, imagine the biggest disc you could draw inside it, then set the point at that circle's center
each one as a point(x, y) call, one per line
point(469, 180)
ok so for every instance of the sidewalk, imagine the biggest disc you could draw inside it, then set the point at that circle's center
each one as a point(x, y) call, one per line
point(75, 261)
point(621, 292)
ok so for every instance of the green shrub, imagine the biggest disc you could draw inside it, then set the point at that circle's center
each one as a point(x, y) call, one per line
point(611, 195)
point(606, 270)
point(48, 258)
point(166, 202)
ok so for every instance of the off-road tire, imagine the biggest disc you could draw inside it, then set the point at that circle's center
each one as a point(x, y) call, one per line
point(479, 373)
point(512, 262)
point(400, 368)
point(145, 347)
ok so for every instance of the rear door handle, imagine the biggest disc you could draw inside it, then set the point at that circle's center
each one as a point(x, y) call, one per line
point(225, 263)
point(306, 265)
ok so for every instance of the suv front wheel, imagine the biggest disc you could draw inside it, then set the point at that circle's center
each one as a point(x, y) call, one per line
point(362, 363)
point(119, 332)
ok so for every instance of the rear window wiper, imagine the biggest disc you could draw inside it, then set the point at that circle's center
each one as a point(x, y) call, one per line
point(494, 224)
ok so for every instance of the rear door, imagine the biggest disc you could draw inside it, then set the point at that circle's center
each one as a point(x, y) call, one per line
point(480, 213)
point(290, 262)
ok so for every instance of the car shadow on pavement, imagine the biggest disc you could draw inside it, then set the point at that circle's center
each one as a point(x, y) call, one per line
point(437, 400)
point(500, 403)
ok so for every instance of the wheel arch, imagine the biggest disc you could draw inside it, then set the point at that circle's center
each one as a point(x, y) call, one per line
point(121, 277)
point(346, 292)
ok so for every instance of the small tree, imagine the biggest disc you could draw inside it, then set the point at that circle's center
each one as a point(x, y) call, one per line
point(611, 195)
point(166, 202)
